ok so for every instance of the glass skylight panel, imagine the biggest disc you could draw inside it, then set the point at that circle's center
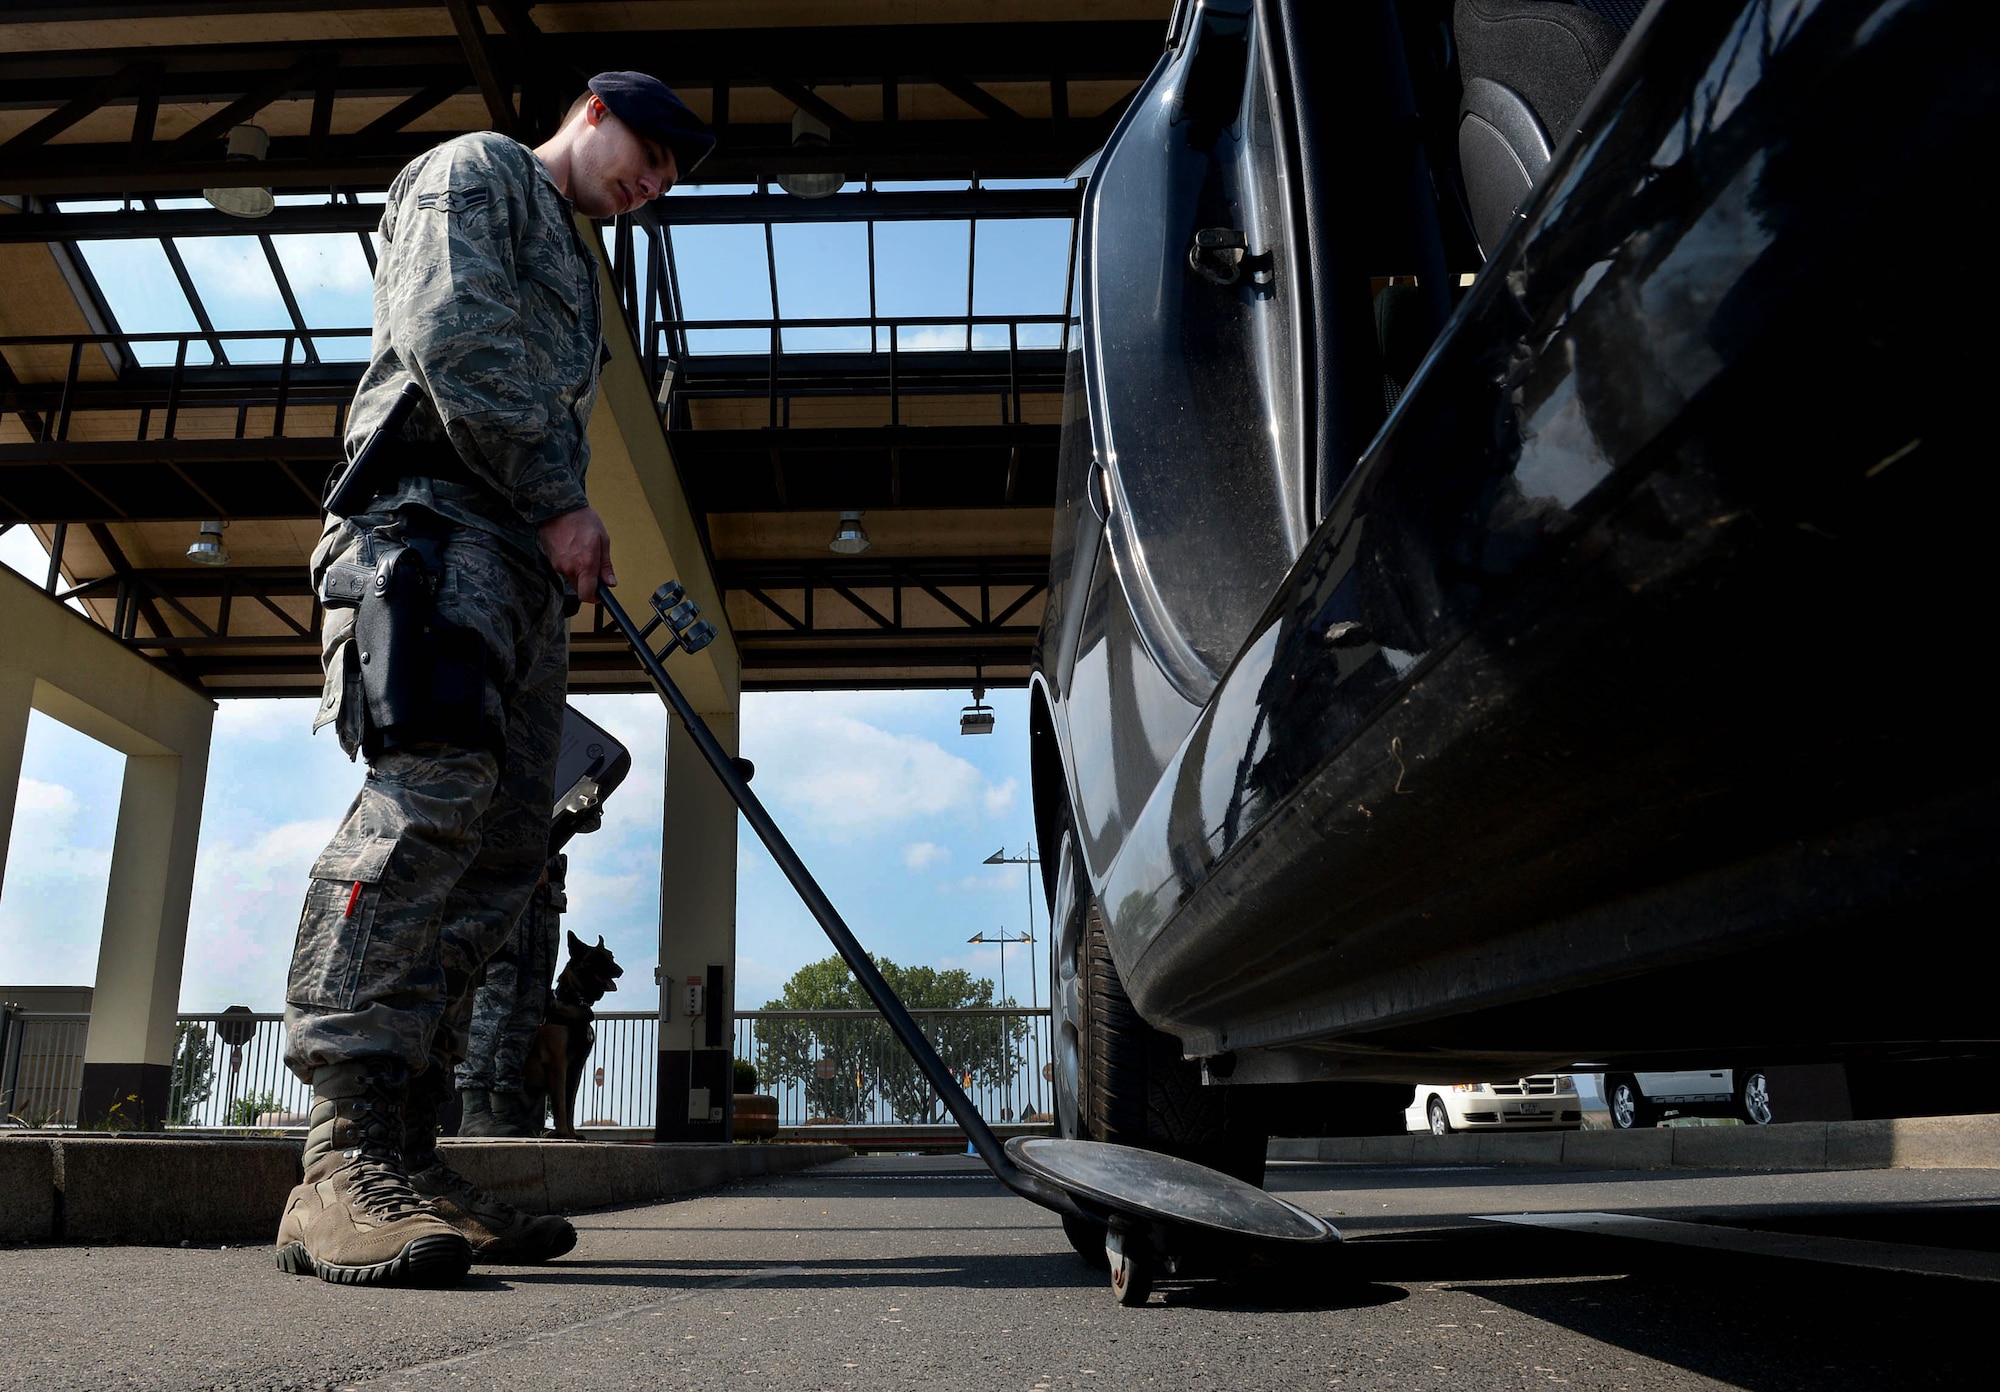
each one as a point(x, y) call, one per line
point(724, 275)
point(921, 271)
point(333, 286)
point(920, 185)
point(143, 296)
point(822, 274)
point(1027, 183)
point(1018, 269)
point(237, 288)
point(703, 190)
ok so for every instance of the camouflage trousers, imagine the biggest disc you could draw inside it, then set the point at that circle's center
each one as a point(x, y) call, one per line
point(510, 1004)
point(440, 850)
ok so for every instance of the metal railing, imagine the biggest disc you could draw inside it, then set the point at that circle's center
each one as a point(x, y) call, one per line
point(220, 1084)
point(844, 1067)
point(620, 1081)
point(826, 1067)
point(217, 1085)
point(41, 1066)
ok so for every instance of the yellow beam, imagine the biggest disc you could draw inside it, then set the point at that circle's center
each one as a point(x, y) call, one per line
point(634, 484)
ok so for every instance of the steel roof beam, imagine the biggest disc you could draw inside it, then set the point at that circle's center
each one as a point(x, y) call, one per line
point(682, 211)
point(838, 55)
point(126, 80)
point(371, 158)
point(479, 57)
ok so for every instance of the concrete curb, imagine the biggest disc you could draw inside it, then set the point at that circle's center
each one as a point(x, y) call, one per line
point(1905, 1143)
point(147, 1190)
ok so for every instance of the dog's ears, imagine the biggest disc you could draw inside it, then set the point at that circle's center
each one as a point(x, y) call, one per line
point(600, 942)
point(577, 946)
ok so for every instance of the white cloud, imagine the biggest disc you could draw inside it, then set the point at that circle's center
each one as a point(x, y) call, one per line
point(999, 797)
point(992, 879)
point(850, 778)
point(50, 798)
point(20, 550)
point(922, 336)
point(244, 913)
point(58, 869)
point(264, 722)
point(921, 855)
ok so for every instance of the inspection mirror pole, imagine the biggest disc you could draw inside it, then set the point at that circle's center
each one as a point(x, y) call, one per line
point(674, 612)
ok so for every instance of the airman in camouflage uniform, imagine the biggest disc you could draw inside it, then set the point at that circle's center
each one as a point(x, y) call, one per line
point(486, 296)
point(507, 1009)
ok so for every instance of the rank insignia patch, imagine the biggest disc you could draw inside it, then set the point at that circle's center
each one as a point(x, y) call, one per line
point(453, 200)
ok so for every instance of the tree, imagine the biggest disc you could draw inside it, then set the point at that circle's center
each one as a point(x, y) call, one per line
point(847, 1065)
point(194, 1071)
point(248, 1108)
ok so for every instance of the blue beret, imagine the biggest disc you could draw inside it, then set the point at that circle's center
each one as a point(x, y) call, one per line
point(649, 107)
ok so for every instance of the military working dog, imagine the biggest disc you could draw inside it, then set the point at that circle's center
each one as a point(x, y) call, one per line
point(562, 1045)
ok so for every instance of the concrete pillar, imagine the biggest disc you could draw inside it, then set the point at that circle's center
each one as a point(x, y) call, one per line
point(697, 942)
point(128, 1062)
point(17, 699)
point(75, 672)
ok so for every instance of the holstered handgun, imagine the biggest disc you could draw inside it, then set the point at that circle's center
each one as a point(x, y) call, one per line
point(349, 491)
point(393, 637)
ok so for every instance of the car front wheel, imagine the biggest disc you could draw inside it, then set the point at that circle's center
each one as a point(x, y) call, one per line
point(1627, 1106)
point(1753, 1097)
point(1440, 1119)
point(1119, 1080)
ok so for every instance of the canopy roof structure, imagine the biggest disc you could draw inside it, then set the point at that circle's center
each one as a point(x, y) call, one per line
point(895, 346)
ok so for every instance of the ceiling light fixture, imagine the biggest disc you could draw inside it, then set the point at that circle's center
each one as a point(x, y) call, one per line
point(977, 718)
point(810, 134)
point(246, 144)
point(849, 538)
point(207, 548)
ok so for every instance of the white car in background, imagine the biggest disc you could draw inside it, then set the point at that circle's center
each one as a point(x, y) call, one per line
point(1644, 1099)
point(1543, 1102)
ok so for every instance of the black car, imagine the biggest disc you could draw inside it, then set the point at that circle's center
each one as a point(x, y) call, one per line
point(1524, 492)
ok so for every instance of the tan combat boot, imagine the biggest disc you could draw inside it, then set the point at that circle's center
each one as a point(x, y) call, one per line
point(498, 1231)
point(356, 1220)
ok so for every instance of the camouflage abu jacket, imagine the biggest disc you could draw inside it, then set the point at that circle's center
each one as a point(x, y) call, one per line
point(487, 295)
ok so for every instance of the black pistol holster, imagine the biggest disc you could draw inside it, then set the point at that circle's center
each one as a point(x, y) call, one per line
point(422, 680)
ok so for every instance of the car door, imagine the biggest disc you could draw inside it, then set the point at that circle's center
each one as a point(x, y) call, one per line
point(1685, 1085)
point(1191, 345)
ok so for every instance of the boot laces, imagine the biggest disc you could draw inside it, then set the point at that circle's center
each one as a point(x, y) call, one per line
point(375, 1178)
point(466, 1194)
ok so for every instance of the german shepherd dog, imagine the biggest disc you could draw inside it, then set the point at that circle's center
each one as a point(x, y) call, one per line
point(562, 1045)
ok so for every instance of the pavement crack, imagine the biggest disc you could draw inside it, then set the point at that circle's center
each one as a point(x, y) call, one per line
point(748, 1278)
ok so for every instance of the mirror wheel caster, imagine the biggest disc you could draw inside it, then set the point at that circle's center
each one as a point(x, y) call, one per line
point(1131, 1259)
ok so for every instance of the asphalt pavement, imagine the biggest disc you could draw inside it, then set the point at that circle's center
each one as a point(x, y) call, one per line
point(922, 1272)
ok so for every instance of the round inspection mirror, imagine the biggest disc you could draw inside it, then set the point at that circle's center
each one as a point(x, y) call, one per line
point(237, 1026)
point(1167, 1189)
